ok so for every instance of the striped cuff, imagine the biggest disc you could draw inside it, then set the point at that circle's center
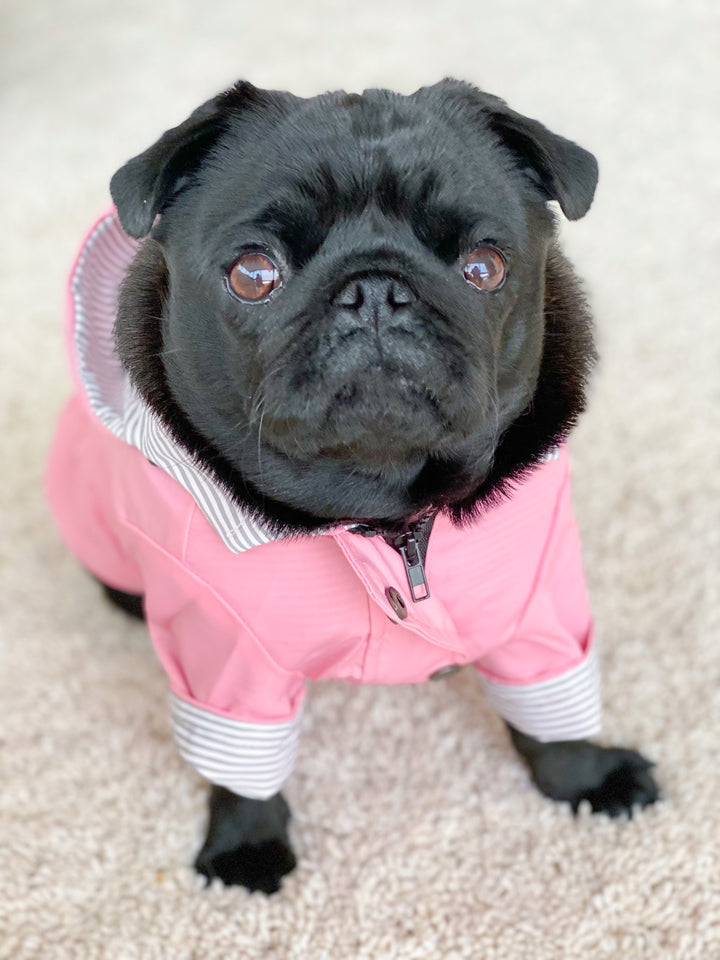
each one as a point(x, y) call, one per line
point(251, 759)
point(567, 707)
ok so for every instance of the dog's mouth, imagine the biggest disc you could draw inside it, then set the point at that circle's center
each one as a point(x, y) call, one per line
point(385, 416)
point(399, 421)
point(396, 398)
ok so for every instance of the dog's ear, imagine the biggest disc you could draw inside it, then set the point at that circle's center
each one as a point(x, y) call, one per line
point(147, 183)
point(559, 168)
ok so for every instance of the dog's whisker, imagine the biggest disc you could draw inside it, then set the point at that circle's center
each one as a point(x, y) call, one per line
point(260, 390)
point(259, 452)
point(495, 408)
point(257, 409)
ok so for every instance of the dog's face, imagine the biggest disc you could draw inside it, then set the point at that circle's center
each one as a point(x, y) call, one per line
point(349, 293)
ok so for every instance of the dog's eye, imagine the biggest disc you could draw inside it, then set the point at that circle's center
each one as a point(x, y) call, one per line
point(253, 277)
point(485, 268)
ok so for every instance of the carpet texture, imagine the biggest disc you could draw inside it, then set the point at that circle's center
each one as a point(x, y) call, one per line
point(418, 833)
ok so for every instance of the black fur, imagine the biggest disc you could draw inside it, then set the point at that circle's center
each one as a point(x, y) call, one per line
point(131, 603)
point(376, 385)
point(444, 454)
point(613, 780)
point(247, 842)
point(559, 399)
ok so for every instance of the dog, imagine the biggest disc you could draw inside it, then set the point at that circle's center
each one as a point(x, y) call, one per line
point(327, 354)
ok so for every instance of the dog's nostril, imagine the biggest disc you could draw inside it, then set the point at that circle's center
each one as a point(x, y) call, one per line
point(399, 295)
point(351, 295)
point(374, 292)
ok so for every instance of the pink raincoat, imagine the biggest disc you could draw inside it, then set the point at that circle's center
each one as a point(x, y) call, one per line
point(240, 618)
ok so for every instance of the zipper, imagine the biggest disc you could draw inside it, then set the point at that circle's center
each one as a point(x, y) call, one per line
point(412, 545)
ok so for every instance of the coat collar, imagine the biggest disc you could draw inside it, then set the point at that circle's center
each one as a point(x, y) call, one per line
point(94, 286)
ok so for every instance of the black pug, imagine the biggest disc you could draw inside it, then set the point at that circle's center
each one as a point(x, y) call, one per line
point(351, 332)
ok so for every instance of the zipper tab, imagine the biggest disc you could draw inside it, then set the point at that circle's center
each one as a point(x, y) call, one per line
point(414, 567)
point(412, 546)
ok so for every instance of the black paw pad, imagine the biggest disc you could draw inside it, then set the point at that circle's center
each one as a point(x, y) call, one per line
point(629, 784)
point(257, 866)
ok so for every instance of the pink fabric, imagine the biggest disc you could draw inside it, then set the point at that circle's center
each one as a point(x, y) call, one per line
point(239, 632)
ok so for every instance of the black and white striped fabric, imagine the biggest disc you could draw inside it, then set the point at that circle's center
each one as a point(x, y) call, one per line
point(567, 707)
point(251, 759)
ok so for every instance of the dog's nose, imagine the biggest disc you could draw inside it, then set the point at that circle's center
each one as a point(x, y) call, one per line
point(374, 294)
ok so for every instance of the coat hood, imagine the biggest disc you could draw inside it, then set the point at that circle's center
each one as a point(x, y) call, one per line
point(105, 386)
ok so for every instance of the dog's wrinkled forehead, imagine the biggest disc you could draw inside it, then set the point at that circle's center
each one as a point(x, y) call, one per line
point(434, 159)
point(390, 161)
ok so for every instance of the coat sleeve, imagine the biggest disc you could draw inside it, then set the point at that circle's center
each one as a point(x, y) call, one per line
point(545, 680)
point(235, 711)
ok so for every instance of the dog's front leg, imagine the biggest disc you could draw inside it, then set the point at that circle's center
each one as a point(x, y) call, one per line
point(612, 779)
point(247, 841)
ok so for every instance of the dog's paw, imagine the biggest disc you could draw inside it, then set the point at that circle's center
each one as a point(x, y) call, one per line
point(256, 866)
point(627, 784)
point(613, 780)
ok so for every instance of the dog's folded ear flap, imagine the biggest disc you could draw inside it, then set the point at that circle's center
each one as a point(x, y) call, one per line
point(559, 168)
point(149, 181)
point(144, 185)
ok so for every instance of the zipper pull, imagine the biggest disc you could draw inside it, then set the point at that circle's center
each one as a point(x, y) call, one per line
point(414, 567)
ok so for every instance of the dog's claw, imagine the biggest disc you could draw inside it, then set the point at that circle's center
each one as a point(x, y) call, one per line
point(627, 785)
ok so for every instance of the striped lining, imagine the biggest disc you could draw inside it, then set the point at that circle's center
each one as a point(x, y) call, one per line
point(567, 707)
point(251, 759)
point(107, 253)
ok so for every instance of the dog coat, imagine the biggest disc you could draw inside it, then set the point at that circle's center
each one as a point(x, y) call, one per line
point(240, 617)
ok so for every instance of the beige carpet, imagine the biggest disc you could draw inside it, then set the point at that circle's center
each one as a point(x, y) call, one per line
point(418, 833)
